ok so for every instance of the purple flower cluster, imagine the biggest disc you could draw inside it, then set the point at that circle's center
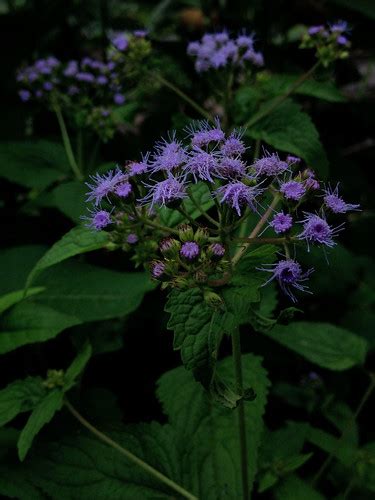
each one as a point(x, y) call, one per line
point(331, 41)
point(218, 50)
point(338, 31)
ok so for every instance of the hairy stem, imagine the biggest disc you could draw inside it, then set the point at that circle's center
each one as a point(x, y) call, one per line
point(236, 352)
point(328, 460)
point(184, 97)
point(130, 456)
point(281, 98)
point(67, 144)
point(262, 221)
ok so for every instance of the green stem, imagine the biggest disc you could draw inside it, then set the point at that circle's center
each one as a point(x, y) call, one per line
point(360, 406)
point(262, 221)
point(201, 210)
point(67, 144)
point(236, 352)
point(80, 149)
point(133, 458)
point(281, 98)
point(166, 229)
point(185, 97)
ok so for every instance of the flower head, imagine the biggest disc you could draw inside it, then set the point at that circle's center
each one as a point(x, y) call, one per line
point(288, 273)
point(292, 190)
point(216, 250)
point(335, 203)
point(168, 155)
point(132, 239)
point(232, 167)
point(98, 219)
point(103, 185)
point(202, 165)
point(233, 146)
point(238, 195)
point(120, 41)
point(281, 222)
point(124, 189)
point(165, 193)
point(157, 269)
point(202, 134)
point(317, 230)
point(190, 250)
point(270, 165)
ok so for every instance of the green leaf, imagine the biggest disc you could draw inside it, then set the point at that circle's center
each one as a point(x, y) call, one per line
point(92, 293)
point(77, 241)
point(41, 415)
point(326, 345)
point(20, 396)
point(344, 451)
point(202, 196)
point(277, 84)
point(13, 485)
point(70, 198)
point(292, 487)
point(27, 323)
point(12, 298)
point(33, 164)
point(289, 129)
point(207, 434)
point(78, 365)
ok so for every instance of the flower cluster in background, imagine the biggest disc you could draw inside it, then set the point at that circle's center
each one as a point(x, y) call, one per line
point(218, 50)
point(331, 41)
point(89, 89)
point(167, 178)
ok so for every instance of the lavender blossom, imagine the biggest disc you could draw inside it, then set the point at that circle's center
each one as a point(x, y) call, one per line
point(317, 230)
point(335, 203)
point(119, 99)
point(216, 251)
point(190, 250)
point(202, 133)
point(292, 190)
point(165, 193)
point(238, 195)
point(132, 239)
point(98, 219)
point(157, 269)
point(168, 155)
point(104, 184)
point(234, 146)
point(124, 189)
point(270, 165)
point(281, 222)
point(202, 165)
point(232, 168)
point(24, 95)
point(120, 41)
point(288, 273)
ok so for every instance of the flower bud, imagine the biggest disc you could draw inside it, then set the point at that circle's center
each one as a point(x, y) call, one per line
point(185, 232)
point(169, 247)
point(216, 251)
point(213, 299)
point(201, 235)
point(190, 251)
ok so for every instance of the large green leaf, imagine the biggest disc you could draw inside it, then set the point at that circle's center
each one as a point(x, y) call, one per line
point(293, 488)
point(33, 164)
point(91, 293)
point(40, 416)
point(77, 366)
point(8, 300)
point(15, 265)
point(207, 434)
point(20, 396)
point(29, 322)
point(78, 240)
point(326, 345)
point(70, 198)
point(290, 129)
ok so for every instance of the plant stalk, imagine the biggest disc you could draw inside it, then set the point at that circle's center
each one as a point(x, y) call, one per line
point(67, 144)
point(133, 458)
point(236, 352)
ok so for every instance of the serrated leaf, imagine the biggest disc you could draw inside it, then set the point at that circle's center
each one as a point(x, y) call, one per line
point(207, 434)
point(12, 298)
point(40, 416)
point(92, 293)
point(77, 366)
point(326, 345)
point(77, 241)
point(20, 396)
point(27, 323)
point(287, 128)
point(33, 164)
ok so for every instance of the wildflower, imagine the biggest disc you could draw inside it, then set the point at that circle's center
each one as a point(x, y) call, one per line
point(232, 167)
point(293, 160)
point(288, 273)
point(292, 190)
point(202, 165)
point(83, 76)
point(270, 165)
point(119, 99)
point(139, 168)
point(120, 41)
point(281, 222)
point(202, 134)
point(190, 250)
point(233, 146)
point(132, 239)
point(314, 30)
point(103, 185)
point(166, 193)
point(317, 230)
point(238, 195)
point(99, 219)
point(157, 269)
point(168, 155)
point(335, 203)
point(24, 95)
point(216, 251)
point(123, 189)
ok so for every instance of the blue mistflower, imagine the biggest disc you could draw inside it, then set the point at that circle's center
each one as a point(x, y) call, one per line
point(238, 195)
point(98, 219)
point(281, 222)
point(317, 230)
point(234, 146)
point(168, 155)
point(202, 133)
point(190, 250)
point(165, 193)
point(288, 273)
point(140, 167)
point(124, 189)
point(292, 190)
point(270, 165)
point(232, 167)
point(103, 185)
point(335, 203)
point(202, 165)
